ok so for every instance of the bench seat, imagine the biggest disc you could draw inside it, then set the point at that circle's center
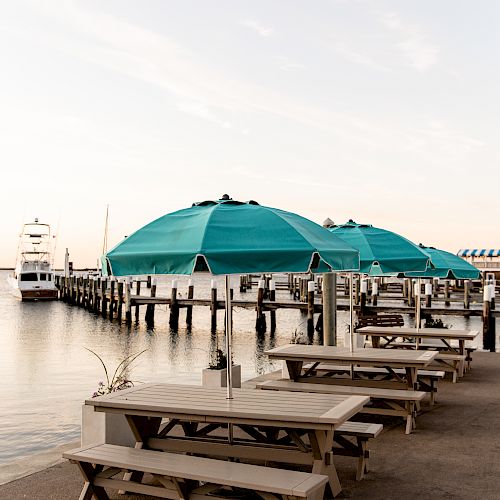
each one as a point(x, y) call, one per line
point(380, 320)
point(184, 476)
point(436, 347)
point(392, 402)
point(427, 379)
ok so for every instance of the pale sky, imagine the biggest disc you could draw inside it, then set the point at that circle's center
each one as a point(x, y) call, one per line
point(386, 112)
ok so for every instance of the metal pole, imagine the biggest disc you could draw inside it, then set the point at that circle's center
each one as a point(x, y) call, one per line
point(351, 312)
point(229, 328)
point(417, 298)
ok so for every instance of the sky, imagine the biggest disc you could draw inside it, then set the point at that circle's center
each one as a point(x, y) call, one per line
point(385, 112)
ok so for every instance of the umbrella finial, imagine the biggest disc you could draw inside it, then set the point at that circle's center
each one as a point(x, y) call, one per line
point(328, 223)
point(226, 197)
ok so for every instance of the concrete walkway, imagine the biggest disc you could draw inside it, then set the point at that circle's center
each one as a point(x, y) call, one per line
point(454, 453)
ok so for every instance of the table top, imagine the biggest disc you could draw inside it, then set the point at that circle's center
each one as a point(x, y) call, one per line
point(365, 356)
point(429, 333)
point(248, 405)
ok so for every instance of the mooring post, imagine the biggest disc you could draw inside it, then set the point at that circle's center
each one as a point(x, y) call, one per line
point(189, 308)
point(362, 297)
point(260, 322)
point(104, 299)
point(150, 308)
point(466, 294)
point(97, 299)
point(213, 305)
point(411, 302)
point(428, 295)
point(174, 307)
point(447, 292)
point(90, 296)
point(375, 292)
point(492, 294)
point(488, 320)
point(272, 298)
point(112, 301)
point(78, 291)
point(137, 292)
point(128, 301)
point(356, 290)
point(311, 288)
point(119, 307)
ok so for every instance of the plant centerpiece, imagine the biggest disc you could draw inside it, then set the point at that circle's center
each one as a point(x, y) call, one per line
point(215, 376)
point(97, 427)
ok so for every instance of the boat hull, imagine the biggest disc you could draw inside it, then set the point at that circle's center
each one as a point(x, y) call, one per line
point(27, 295)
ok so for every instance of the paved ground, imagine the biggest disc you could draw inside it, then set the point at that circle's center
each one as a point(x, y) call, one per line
point(455, 452)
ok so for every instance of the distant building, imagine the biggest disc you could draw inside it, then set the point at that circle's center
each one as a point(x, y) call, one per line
point(487, 260)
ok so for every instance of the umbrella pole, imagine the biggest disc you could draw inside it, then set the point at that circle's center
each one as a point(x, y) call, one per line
point(417, 297)
point(229, 331)
point(351, 314)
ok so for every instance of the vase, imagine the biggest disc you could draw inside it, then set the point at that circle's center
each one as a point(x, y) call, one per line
point(215, 379)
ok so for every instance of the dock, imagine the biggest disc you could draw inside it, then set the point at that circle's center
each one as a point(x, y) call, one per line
point(123, 300)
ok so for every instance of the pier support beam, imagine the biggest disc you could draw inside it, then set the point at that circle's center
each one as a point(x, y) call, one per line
point(329, 314)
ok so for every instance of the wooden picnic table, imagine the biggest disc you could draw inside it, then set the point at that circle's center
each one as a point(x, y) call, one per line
point(295, 355)
point(273, 424)
point(445, 335)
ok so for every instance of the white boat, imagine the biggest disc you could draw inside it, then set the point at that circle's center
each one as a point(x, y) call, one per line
point(33, 277)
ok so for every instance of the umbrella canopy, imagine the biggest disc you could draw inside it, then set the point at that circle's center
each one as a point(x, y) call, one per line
point(381, 251)
point(446, 265)
point(231, 237)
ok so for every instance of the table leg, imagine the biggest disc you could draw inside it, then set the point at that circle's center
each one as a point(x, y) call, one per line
point(294, 369)
point(375, 341)
point(411, 378)
point(142, 428)
point(322, 444)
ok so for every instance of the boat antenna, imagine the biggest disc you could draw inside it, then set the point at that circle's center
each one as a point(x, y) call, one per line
point(56, 237)
point(105, 241)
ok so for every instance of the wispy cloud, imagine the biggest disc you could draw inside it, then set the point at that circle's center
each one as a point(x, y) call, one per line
point(286, 64)
point(258, 27)
point(356, 57)
point(214, 95)
point(200, 110)
point(414, 44)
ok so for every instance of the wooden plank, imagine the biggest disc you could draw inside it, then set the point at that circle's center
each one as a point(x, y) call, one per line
point(202, 469)
point(212, 405)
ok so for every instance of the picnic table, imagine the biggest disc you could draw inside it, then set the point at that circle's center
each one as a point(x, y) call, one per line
point(295, 355)
point(273, 425)
point(444, 335)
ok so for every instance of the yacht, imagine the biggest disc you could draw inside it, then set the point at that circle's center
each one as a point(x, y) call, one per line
point(33, 277)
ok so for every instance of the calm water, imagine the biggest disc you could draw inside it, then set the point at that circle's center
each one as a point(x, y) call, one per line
point(46, 372)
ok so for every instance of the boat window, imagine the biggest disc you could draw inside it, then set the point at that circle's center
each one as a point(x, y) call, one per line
point(43, 277)
point(50, 277)
point(29, 277)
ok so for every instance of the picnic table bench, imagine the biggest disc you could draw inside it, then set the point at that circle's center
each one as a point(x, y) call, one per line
point(186, 477)
point(391, 402)
point(427, 380)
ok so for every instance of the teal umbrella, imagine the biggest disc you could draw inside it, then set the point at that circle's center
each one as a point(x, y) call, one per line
point(226, 237)
point(446, 265)
point(382, 251)
point(231, 237)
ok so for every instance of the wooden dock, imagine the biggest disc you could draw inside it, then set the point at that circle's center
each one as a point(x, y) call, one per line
point(122, 300)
